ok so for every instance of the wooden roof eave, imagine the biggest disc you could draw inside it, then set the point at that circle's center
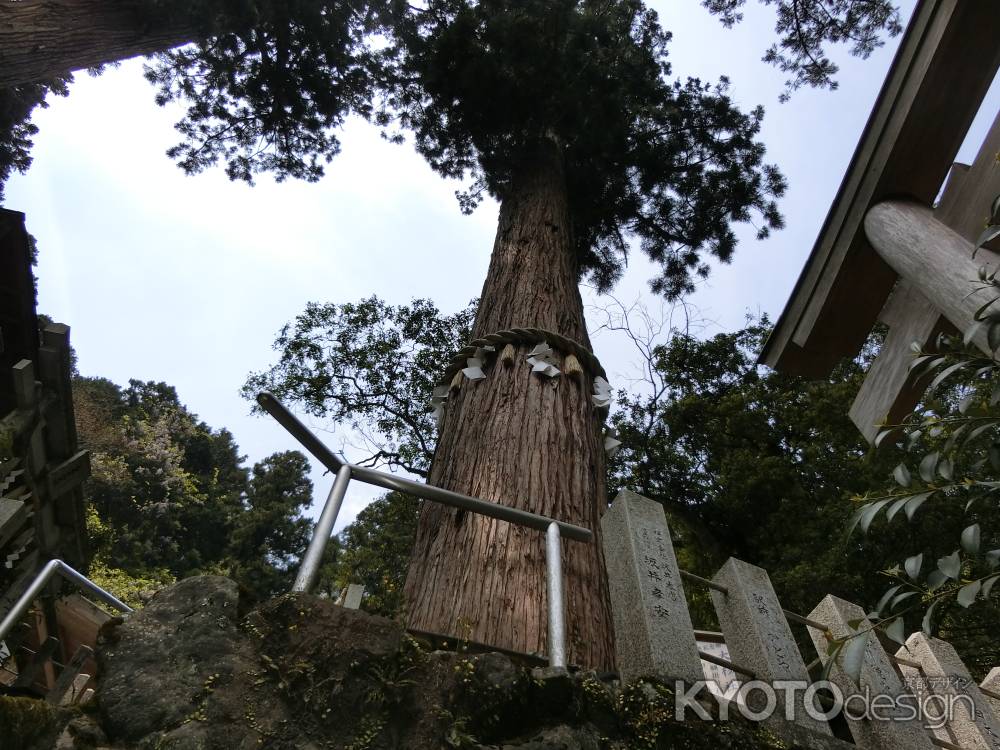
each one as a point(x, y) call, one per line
point(945, 63)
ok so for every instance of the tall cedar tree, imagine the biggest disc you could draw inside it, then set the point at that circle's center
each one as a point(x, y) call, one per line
point(567, 113)
point(747, 462)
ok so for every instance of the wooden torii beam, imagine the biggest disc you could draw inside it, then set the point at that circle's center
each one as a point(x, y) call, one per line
point(854, 277)
point(931, 252)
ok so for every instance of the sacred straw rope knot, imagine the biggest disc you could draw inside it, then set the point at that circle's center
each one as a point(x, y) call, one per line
point(579, 359)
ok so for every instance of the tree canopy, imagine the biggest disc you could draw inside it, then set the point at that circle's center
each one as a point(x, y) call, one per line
point(747, 462)
point(170, 497)
point(375, 550)
point(752, 463)
point(667, 163)
point(16, 129)
point(943, 491)
point(806, 28)
point(371, 367)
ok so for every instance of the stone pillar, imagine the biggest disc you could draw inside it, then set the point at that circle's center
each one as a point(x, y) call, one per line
point(971, 718)
point(878, 678)
point(355, 593)
point(991, 688)
point(653, 632)
point(759, 639)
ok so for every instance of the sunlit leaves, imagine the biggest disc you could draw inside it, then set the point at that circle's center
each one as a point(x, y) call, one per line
point(967, 594)
point(914, 503)
point(902, 475)
point(946, 468)
point(936, 579)
point(869, 513)
point(928, 466)
point(971, 537)
point(885, 598)
point(895, 506)
point(895, 630)
point(900, 598)
point(988, 586)
point(852, 655)
point(946, 373)
point(926, 623)
point(950, 565)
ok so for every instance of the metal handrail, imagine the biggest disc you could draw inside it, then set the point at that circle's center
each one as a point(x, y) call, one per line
point(345, 472)
point(34, 590)
point(387, 481)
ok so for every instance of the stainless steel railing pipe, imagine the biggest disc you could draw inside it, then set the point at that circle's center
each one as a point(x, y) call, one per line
point(313, 558)
point(37, 585)
point(554, 530)
point(557, 613)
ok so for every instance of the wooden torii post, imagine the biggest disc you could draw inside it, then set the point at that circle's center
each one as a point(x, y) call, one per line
point(886, 254)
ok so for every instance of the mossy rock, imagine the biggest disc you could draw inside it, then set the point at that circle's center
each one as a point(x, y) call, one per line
point(30, 723)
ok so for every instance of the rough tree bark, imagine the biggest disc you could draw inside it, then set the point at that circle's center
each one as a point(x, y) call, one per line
point(524, 440)
point(42, 39)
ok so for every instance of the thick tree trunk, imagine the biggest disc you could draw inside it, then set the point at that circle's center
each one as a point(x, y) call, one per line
point(524, 440)
point(42, 39)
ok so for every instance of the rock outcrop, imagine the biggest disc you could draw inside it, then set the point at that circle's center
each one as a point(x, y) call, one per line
point(193, 671)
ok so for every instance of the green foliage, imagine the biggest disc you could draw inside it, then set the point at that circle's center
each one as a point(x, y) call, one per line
point(134, 590)
point(369, 366)
point(747, 462)
point(946, 487)
point(805, 28)
point(166, 483)
point(481, 86)
point(375, 551)
point(751, 463)
point(30, 723)
point(669, 164)
point(169, 496)
point(16, 129)
point(270, 535)
point(285, 74)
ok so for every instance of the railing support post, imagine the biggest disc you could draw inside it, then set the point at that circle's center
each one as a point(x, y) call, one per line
point(557, 615)
point(309, 569)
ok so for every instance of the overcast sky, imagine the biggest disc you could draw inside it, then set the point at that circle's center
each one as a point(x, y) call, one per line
point(188, 279)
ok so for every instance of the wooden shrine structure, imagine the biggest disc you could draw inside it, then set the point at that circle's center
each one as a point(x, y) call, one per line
point(41, 469)
point(889, 252)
